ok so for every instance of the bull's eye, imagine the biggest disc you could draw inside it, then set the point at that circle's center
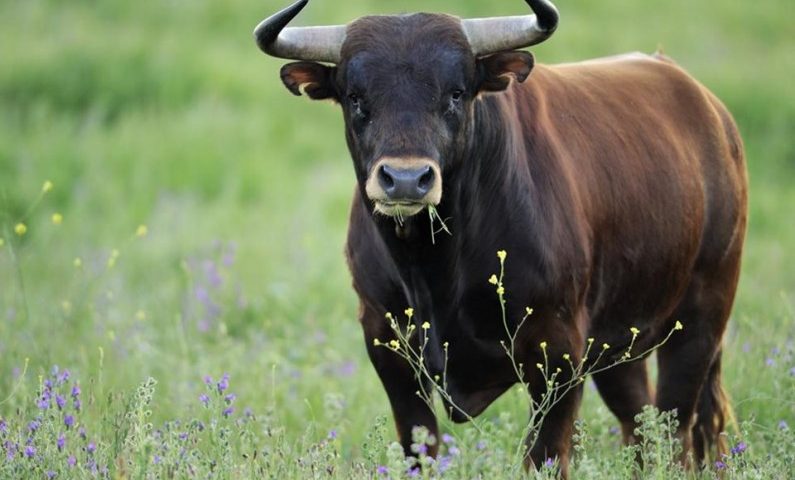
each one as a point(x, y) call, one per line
point(456, 95)
point(355, 101)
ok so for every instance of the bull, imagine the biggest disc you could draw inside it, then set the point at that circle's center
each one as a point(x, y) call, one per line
point(618, 185)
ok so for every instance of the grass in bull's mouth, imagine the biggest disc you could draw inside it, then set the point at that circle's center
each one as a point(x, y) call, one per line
point(433, 215)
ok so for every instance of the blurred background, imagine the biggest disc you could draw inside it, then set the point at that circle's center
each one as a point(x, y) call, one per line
point(165, 114)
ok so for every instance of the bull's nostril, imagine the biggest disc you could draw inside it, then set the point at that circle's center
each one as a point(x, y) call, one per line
point(385, 179)
point(426, 180)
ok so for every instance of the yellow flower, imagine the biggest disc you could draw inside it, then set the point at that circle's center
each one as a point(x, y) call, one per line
point(634, 330)
point(626, 355)
point(394, 344)
point(528, 310)
point(77, 262)
point(20, 229)
point(590, 340)
point(566, 356)
point(539, 366)
point(678, 325)
point(493, 279)
point(543, 345)
point(47, 186)
point(57, 218)
point(426, 326)
point(501, 254)
point(376, 342)
point(500, 290)
point(409, 312)
point(388, 315)
point(605, 346)
point(446, 344)
point(141, 231)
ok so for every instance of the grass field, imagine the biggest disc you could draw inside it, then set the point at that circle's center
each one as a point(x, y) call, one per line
point(166, 115)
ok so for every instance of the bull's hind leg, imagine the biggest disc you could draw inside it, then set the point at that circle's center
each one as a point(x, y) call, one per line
point(625, 390)
point(689, 365)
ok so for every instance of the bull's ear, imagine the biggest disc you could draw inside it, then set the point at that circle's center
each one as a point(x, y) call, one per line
point(497, 70)
point(314, 79)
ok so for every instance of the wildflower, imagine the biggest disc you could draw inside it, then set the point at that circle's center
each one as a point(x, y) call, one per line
point(43, 403)
point(447, 438)
point(543, 345)
point(376, 342)
point(394, 344)
point(539, 366)
point(3, 426)
point(50, 474)
point(204, 399)
point(590, 340)
point(549, 463)
point(20, 229)
point(382, 470)
point(82, 433)
point(634, 330)
point(62, 377)
point(782, 425)
point(34, 425)
point(454, 451)
point(739, 448)
point(183, 436)
point(770, 362)
point(60, 401)
point(501, 254)
point(75, 391)
point(613, 430)
point(332, 435)
point(141, 231)
point(223, 384)
point(72, 461)
point(30, 451)
point(720, 465)
point(230, 398)
point(77, 404)
point(61, 442)
point(409, 312)
point(493, 279)
point(678, 325)
point(605, 346)
point(481, 445)
point(69, 421)
point(528, 311)
point(47, 186)
point(500, 290)
point(156, 459)
point(228, 411)
point(208, 380)
point(91, 448)
point(57, 218)
point(426, 325)
point(566, 356)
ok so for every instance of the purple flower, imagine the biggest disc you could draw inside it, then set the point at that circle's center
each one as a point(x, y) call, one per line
point(746, 347)
point(91, 448)
point(208, 380)
point(72, 461)
point(422, 449)
point(332, 434)
point(63, 377)
point(447, 438)
point(413, 472)
point(481, 445)
point(223, 384)
point(444, 463)
point(82, 433)
point(60, 401)
point(739, 448)
point(770, 362)
point(782, 425)
point(3, 427)
point(382, 470)
point(183, 436)
point(11, 450)
point(248, 412)
point(50, 474)
point(30, 451)
point(61, 442)
point(34, 425)
point(454, 451)
point(75, 391)
point(43, 403)
point(613, 430)
point(230, 398)
point(792, 372)
point(204, 399)
point(720, 465)
point(156, 459)
point(69, 421)
point(76, 403)
point(549, 463)
point(228, 411)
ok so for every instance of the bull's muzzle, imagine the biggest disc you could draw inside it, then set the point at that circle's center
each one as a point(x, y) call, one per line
point(404, 186)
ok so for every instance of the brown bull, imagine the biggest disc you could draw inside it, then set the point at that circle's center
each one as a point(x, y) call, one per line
point(617, 186)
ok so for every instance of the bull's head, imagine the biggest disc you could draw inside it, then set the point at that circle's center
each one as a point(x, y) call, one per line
point(406, 85)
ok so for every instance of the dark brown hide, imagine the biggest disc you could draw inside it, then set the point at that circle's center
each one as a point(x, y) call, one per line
point(617, 187)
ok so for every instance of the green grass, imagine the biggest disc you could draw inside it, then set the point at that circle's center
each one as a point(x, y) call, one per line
point(166, 114)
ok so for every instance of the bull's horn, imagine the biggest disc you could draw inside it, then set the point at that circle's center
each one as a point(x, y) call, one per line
point(320, 44)
point(490, 35)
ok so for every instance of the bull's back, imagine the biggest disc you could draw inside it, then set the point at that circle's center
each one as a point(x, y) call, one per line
point(655, 165)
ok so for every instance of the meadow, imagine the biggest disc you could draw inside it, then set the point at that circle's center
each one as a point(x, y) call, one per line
point(174, 300)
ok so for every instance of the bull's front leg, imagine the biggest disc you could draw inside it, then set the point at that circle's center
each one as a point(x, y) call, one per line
point(555, 405)
point(399, 381)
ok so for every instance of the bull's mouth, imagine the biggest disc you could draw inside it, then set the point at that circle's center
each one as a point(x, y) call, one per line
point(399, 209)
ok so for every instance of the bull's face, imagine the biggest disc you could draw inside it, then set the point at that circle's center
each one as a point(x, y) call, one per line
point(406, 85)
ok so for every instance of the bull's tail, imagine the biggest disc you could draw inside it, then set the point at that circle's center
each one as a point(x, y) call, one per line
point(714, 414)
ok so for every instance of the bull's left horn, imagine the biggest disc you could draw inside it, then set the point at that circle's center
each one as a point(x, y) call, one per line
point(321, 44)
point(496, 34)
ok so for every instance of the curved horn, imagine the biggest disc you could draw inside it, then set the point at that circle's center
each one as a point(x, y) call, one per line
point(320, 44)
point(490, 35)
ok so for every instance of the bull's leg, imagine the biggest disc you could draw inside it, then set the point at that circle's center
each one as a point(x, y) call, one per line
point(400, 383)
point(625, 390)
point(553, 440)
point(689, 364)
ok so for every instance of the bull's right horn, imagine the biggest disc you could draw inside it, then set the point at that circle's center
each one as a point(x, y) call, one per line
point(496, 34)
point(321, 44)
